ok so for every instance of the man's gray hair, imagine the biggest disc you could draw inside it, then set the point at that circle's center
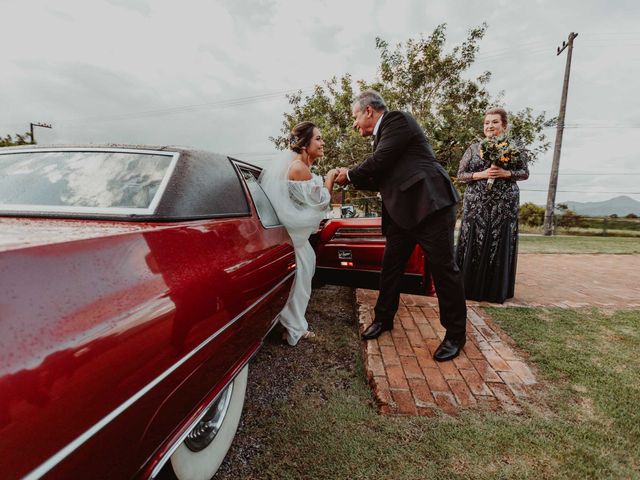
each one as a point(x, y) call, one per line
point(370, 97)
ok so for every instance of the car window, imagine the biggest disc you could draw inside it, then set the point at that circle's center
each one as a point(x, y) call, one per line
point(82, 181)
point(267, 214)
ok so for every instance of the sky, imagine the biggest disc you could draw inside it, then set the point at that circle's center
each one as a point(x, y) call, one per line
point(214, 74)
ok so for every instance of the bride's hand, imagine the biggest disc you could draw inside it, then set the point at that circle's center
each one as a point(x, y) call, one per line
point(332, 173)
point(330, 178)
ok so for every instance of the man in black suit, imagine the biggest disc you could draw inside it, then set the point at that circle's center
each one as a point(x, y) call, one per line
point(418, 206)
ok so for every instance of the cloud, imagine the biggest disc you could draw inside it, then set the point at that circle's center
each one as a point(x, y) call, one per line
point(164, 71)
point(140, 6)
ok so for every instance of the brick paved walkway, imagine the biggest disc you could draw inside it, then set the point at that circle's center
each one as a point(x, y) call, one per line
point(572, 281)
point(489, 372)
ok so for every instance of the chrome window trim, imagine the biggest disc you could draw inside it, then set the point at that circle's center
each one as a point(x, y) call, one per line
point(63, 453)
point(44, 209)
point(243, 168)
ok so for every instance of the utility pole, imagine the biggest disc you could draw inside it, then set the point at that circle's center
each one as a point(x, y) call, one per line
point(44, 125)
point(553, 180)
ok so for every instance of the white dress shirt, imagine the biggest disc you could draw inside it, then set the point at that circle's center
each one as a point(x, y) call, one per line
point(375, 132)
point(375, 129)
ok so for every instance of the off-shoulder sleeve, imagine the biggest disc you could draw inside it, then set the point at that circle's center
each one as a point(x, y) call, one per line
point(464, 173)
point(311, 193)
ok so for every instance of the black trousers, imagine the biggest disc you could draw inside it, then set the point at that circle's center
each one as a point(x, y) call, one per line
point(435, 235)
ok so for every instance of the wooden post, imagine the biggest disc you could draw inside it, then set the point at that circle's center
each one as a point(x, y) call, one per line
point(553, 180)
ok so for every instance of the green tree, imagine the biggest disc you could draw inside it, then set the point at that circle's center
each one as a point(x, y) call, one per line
point(420, 77)
point(329, 107)
point(531, 214)
point(8, 141)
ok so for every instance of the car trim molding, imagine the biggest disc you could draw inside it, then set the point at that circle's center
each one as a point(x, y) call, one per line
point(54, 460)
point(174, 446)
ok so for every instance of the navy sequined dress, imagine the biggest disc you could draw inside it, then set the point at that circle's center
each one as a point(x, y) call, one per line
point(487, 248)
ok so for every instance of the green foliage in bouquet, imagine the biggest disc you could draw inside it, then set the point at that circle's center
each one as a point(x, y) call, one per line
point(499, 151)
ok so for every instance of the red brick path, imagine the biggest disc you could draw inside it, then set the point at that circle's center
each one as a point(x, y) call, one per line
point(488, 373)
point(406, 380)
point(573, 281)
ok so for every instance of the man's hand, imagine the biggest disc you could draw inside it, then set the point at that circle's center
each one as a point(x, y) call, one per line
point(342, 179)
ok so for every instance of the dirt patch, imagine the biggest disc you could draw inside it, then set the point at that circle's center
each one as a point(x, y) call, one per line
point(279, 370)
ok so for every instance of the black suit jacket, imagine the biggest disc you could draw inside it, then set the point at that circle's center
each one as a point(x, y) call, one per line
point(404, 169)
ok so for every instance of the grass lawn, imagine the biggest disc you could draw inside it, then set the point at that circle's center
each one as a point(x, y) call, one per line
point(586, 426)
point(576, 244)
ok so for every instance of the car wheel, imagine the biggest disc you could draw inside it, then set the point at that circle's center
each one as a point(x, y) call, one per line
point(202, 452)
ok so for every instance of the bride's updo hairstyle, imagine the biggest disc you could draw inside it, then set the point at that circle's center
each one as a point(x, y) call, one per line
point(301, 136)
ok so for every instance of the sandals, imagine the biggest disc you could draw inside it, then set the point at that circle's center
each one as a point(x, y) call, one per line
point(306, 335)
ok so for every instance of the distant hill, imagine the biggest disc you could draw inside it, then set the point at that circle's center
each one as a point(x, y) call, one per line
point(621, 206)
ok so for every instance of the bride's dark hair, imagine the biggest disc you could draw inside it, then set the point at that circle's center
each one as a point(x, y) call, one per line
point(301, 136)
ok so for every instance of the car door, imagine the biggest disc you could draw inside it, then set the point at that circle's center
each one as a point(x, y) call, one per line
point(349, 252)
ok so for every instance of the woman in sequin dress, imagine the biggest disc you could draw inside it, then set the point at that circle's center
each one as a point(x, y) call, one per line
point(487, 246)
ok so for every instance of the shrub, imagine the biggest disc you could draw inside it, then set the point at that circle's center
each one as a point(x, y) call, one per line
point(531, 214)
point(569, 219)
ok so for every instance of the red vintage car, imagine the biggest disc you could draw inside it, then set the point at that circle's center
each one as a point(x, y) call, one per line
point(349, 252)
point(136, 285)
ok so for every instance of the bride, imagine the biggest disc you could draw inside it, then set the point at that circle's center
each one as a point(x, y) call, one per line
point(300, 199)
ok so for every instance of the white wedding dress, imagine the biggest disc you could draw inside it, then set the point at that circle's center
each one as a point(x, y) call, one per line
point(300, 206)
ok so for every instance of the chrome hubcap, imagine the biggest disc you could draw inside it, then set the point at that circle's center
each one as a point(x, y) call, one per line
point(206, 430)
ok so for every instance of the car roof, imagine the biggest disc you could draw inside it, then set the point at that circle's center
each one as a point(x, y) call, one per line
point(202, 184)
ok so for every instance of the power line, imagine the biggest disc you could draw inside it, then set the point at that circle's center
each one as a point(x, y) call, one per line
point(540, 46)
point(580, 126)
point(234, 102)
point(631, 32)
point(577, 191)
point(254, 154)
point(536, 51)
point(591, 173)
point(588, 186)
point(584, 125)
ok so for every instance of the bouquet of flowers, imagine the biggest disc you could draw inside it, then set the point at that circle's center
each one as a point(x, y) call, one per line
point(499, 151)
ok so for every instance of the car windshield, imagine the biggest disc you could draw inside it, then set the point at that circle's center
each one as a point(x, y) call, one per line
point(102, 182)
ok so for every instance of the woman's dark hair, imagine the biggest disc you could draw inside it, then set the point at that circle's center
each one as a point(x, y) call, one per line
point(301, 136)
point(498, 111)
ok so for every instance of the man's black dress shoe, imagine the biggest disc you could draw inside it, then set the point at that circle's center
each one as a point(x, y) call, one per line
point(375, 330)
point(449, 349)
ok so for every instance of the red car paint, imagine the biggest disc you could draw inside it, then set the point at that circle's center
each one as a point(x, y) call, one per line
point(349, 252)
point(116, 335)
point(93, 313)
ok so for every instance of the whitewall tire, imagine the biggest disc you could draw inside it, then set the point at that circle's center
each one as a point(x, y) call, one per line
point(210, 440)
